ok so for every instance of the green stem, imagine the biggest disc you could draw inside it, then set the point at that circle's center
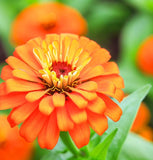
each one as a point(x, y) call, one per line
point(85, 151)
point(69, 143)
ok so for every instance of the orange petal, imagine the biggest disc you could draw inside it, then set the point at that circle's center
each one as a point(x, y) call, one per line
point(87, 95)
point(80, 134)
point(21, 113)
point(6, 72)
point(97, 122)
point(83, 41)
point(63, 120)
point(88, 44)
point(35, 95)
point(97, 105)
point(113, 111)
point(16, 85)
point(88, 86)
point(51, 37)
point(2, 89)
point(107, 87)
point(58, 99)
point(114, 78)
point(147, 133)
point(142, 119)
point(110, 68)
point(119, 95)
point(91, 73)
point(33, 125)
point(12, 100)
point(76, 57)
point(16, 63)
point(82, 58)
point(65, 41)
point(25, 52)
point(49, 134)
point(78, 100)
point(46, 105)
point(100, 56)
point(65, 47)
point(73, 48)
point(76, 114)
point(25, 76)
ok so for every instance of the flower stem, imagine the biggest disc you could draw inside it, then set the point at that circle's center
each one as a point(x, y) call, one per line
point(69, 143)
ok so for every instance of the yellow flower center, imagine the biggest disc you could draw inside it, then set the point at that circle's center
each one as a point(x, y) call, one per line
point(58, 73)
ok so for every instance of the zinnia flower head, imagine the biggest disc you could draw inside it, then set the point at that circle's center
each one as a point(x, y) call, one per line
point(12, 145)
point(140, 125)
point(61, 83)
point(41, 19)
point(145, 56)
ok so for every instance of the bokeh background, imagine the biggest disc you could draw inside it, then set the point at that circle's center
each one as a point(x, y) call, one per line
point(120, 26)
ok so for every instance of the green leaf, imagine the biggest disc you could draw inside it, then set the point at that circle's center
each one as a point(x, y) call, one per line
point(142, 5)
point(100, 151)
point(39, 152)
point(66, 139)
point(136, 148)
point(133, 34)
point(130, 107)
point(94, 141)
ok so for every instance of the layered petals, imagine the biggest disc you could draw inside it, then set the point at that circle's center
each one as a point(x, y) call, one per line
point(97, 106)
point(3, 89)
point(12, 100)
point(6, 69)
point(16, 85)
point(48, 136)
point(21, 113)
point(97, 122)
point(63, 119)
point(78, 100)
point(58, 100)
point(35, 95)
point(76, 114)
point(113, 111)
point(80, 134)
point(46, 105)
point(61, 83)
point(33, 125)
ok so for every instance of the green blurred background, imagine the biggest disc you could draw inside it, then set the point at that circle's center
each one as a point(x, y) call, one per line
point(117, 25)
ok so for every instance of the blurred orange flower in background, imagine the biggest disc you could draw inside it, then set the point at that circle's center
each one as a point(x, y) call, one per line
point(140, 125)
point(41, 19)
point(12, 146)
point(61, 83)
point(145, 56)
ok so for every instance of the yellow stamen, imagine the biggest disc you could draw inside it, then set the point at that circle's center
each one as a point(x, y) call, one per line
point(68, 53)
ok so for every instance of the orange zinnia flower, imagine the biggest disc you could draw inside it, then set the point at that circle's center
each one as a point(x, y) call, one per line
point(41, 19)
point(145, 56)
point(61, 83)
point(12, 146)
point(140, 125)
